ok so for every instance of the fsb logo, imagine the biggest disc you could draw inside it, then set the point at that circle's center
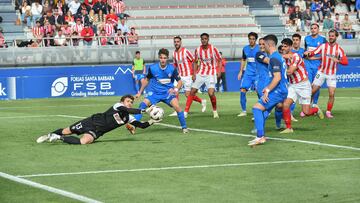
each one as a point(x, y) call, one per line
point(59, 86)
point(2, 90)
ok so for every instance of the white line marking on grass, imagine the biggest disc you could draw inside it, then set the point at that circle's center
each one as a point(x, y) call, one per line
point(48, 188)
point(190, 167)
point(52, 106)
point(19, 117)
point(271, 138)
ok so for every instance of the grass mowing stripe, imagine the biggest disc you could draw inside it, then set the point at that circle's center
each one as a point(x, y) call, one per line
point(189, 167)
point(271, 138)
point(48, 188)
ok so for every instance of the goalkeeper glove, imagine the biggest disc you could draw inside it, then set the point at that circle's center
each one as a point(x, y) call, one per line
point(152, 121)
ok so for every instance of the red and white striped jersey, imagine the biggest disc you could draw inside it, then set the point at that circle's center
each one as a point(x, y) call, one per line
point(327, 51)
point(119, 7)
point(300, 73)
point(183, 60)
point(207, 59)
point(111, 2)
point(109, 29)
point(77, 28)
point(38, 32)
point(119, 39)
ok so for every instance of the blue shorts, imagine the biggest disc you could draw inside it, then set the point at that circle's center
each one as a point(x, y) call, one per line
point(155, 98)
point(311, 70)
point(274, 99)
point(260, 87)
point(139, 76)
point(248, 81)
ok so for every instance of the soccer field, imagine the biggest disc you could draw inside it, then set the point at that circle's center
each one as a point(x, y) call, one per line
point(320, 162)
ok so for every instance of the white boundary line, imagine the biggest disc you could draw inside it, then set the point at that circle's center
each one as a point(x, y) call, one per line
point(48, 188)
point(190, 167)
point(19, 117)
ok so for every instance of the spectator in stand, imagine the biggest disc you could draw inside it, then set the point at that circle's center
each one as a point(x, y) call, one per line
point(93, 20)
point(49, 40)
point(103, 38)
point(60, 7)
point(284, 3)
point(119, 38)
point(221, 77)
point(26, 14)
point(38, 30)
point(75, 37)
point(337, 22)
point(48, 17)
point(307, 18)
point(69, 18)
point(2, 39)
point(87, 33)
point(328, 23)
point(348, 5)
point(59, 18)
point(100, 20)
point(319, 6)
point(133, 37)
point(48, 27)
point(346, 27)
point(122, 25)
point(77, 27)
point(119, 7)
point(90, 3)
point(332, 5)
point(74, 6)
point(60, 39)
point(297, 18)
point(101, 5)
point(113, 17)
point(357, 7)
point(110, 30)
point(84, 17)
point(66, 29)
point(46, 6)
point(36, 10)
point(315, 9)
point(301, 4)
point(326, 8)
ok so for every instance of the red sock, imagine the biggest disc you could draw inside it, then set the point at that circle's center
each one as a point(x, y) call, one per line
point(197, 99)
point(188, 103)
point(213, 102)
point(329, 106)
point(287, 117)
point(313, 111)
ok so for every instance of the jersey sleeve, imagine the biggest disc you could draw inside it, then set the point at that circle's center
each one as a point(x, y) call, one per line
point(318, 49)
point(128, 110)
point(196, 55)
point(243, 54)
point(275, 65)
point(149, 74)
point(139, 124)
point(176, 75)
point(217, 54)
point(295, 60)
point(174, 60)
point(260, 57)
point(189, 56)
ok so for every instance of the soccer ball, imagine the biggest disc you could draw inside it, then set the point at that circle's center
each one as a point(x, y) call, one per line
point(157, 113)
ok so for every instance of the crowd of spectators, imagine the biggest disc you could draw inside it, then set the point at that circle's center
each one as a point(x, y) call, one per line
point(304, 12)
point(77, 22)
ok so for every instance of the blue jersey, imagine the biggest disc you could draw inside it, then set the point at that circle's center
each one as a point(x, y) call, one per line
point(249, 54)
point(310, 45)
point(278, 64)
point(300, 51)
point(262, 69)
point(161, 80)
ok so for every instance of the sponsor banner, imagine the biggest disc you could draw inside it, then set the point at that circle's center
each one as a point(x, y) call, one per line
point(8, 88)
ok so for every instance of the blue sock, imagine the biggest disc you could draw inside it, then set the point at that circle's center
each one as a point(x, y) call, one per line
point(278, 117)
point(259, 122)
point(141, 106)
point(316, 97)
point(243, 101)
point(137, 87)
point(181, 118)
point(266, 114)
point(292, 107)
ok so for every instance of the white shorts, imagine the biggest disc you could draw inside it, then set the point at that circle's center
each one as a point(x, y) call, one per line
point(321, 77)
point(187, 82)
point(209, 80)
point(301, 91)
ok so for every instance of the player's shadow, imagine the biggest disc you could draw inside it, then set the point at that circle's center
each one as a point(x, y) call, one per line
point(130, 139)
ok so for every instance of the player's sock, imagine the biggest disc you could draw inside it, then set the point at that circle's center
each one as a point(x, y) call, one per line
point(287, 117)
point(71, 140)
point(189, 101)
point(141, 106)
point(266, 114)
point(278, 116)
point(197, 99)
point(329, 106)
point(316, 97)
point(313, 111)
point(292, 107)
point(137, 87)
point(58, 131)
point(182, 120)
point(259, 122)
point(243, 101)
point(213, 102)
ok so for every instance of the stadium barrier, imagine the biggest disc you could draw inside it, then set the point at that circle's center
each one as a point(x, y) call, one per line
point(110, 80)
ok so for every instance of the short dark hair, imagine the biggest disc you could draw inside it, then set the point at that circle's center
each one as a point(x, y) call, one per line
point(253, 34)
point(177, 37)
point(280, 48)
point(272, 38)
point(296, 35)
point(287, 41)
point(337, 14)
point(163, 51)
point(204, 34)
point(127, 96)
point(315, 24)
point(334, 31)
point(137, 52)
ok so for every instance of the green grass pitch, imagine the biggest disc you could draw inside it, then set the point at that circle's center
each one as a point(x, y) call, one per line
point(261, 174)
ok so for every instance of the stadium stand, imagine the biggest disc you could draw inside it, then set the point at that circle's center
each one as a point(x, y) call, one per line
point(9, 16)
